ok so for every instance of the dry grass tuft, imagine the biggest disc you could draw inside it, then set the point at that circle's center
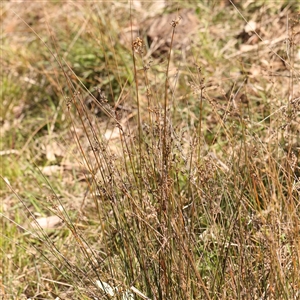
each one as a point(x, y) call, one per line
point(163, 168)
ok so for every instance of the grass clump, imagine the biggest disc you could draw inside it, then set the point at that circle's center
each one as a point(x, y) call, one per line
point(171, 177)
